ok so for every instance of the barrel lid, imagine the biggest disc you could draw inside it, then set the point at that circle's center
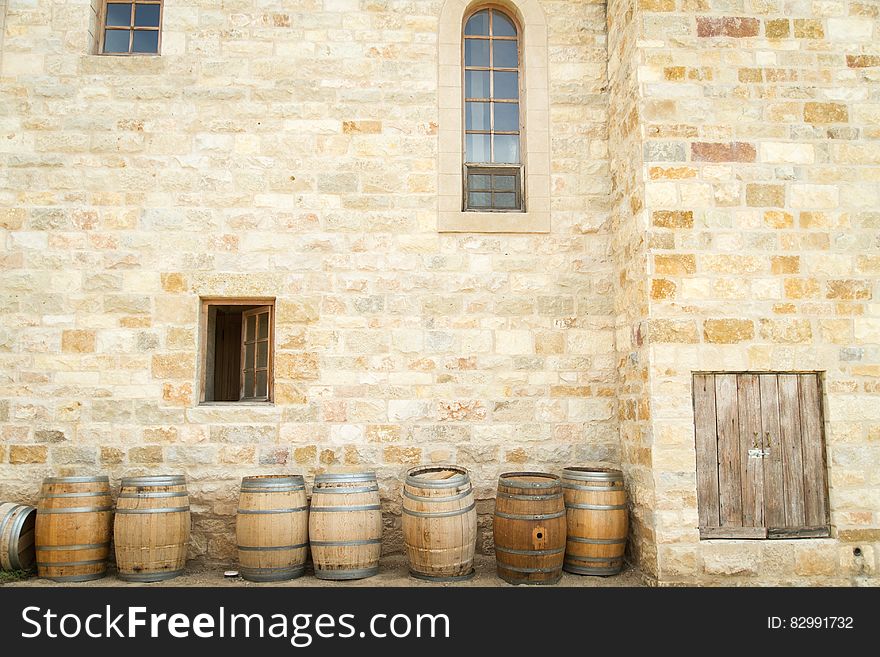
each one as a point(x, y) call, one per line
point(528, 480)
point(437, 476)
point(102, 479)
point(331, 478)
point(591, 474)
point(272, 481)
point(155, 480)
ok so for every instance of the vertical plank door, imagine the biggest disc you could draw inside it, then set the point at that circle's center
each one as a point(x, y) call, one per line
point(774, 508)
point(815, 478)
point(751, 449)
point(729, 461)
point(707, 450)
point(792, 451)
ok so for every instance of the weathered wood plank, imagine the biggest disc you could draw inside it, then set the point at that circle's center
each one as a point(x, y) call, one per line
point(733, 532)
point(751, 467)
point(813, 440)
point(800, 532)
point(792, 451)
point(774, 507)
point(706, 440)
point(729, 477)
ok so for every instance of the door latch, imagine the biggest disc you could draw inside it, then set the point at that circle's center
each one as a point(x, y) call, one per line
point(759, 453)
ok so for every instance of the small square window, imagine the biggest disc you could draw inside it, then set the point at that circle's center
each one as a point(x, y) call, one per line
point(131, 28)
point(237, 350)
point(493, 188)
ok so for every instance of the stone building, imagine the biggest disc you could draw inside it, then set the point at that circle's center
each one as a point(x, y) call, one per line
point(695, 190)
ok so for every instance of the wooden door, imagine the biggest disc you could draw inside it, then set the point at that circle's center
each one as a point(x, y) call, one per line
point(760, 455)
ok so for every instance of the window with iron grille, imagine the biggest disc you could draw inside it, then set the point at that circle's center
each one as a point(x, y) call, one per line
point(493, 169)
point(131, 28)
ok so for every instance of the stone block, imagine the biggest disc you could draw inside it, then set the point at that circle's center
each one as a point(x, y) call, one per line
point(728, 331)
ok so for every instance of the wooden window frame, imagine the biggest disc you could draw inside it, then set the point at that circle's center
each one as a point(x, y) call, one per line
point(257, 302)
point(517, 169)
point(772, 437)
point(103, 27)
point(255, 312)
point(493, 170)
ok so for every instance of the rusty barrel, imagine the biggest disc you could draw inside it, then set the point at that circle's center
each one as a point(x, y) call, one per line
point(152, 528)
point(73, 528)
point(272, 527)
point(345, 526)
point(439, 523)
point(529, 528)
point(17, 536)
point(595, 505)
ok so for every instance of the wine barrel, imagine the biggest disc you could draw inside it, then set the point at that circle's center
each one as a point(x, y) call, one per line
point(345, 526)
point(439, 523)
point(73, 526)
point(17, 525)
point(529, 528)
point(595, 504)
point(152, 528)
point(272, 527)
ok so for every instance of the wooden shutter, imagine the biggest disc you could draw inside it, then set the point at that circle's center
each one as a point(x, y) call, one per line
point(760, 455)
point(256, 357)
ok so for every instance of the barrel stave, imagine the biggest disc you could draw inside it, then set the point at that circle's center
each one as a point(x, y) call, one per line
point(529, 528)
point(439, 523)
point(596, 507)
point(345, 526)
point(272, 528)
point(152, 528)
point(73, 528)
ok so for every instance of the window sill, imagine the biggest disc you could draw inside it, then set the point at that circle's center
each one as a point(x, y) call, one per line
point(494, 222)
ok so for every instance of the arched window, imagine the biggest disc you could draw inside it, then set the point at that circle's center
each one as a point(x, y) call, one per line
point(530, 138)
point(493, 170)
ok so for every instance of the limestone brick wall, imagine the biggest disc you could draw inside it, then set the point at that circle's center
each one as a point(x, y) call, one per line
point(629, 245)
point(288, 149)
point(762, 188)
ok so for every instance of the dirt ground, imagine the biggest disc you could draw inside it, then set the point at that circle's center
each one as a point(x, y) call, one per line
point(393, 572)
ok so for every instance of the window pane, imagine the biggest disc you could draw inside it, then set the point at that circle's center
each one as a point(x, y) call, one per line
point(476, 116)
point(505, 200)
point(264, 327)
point(477, 148)
point(506, 84)
point(504, 183)
point(476, 84)
point(478, 24)
point(249, 356)
point(479, 200)
point(479, 181)
point(146, 15)
point(249, 385)
point(145, 41)
point(506, 117)
point(507, 149)
point(502, 25)
point(251, 328)
point(262, 354)
point(505, 55)
point(476, 52)
point(262, 384)
point(116, 40)
point(119, 15)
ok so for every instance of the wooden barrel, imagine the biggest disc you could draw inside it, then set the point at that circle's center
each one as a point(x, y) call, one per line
point(152, 528)
point(272, 527)
point(439, 523)
point(17, 528)
point(345, 526)
point(595, 504)
point(529, 528)
point(74, 520)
